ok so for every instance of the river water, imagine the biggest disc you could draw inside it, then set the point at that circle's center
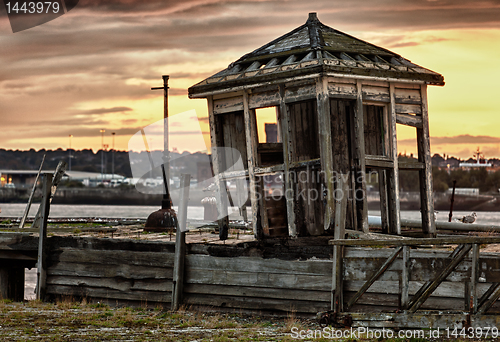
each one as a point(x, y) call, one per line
point(16, 210)
point(137, 211)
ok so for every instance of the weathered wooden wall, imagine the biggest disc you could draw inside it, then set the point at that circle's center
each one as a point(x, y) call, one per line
point(111, 270)
point(249, 277)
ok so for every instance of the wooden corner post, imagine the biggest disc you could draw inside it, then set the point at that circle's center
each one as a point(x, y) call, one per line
point(220, 182)
point(326, 149)
point(284, 116)
point(251, 143)
point(359, 161)
point(425, 175)
point(393, 174)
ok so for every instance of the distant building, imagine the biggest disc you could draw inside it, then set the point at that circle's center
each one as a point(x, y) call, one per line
point(478, 162)
point(26, 178)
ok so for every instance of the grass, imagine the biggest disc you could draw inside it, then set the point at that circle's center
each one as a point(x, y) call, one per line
point(70, 320)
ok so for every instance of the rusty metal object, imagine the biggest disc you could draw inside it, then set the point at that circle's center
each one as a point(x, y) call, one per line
point(165, 218)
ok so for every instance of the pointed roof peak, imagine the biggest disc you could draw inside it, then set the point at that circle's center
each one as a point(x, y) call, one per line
point(312, 17)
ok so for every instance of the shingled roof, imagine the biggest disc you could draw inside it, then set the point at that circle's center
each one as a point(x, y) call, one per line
point(312, 48)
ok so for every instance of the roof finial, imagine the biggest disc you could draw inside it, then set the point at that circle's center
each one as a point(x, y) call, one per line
point(312, 16)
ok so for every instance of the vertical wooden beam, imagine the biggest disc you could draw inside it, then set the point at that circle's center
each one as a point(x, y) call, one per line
point(180, 243)
point(325, 148)
point(384, 203)
point(284, 115)
point(251, 144)
point(359, 161)
point(341, 194)
point(425, 175)
point(42, 237)
point(473, 279)
point(393, 174)
point(405, 278)
point(220, 183)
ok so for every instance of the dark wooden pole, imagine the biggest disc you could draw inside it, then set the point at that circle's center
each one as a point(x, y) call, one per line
point(452, 200)
point(180, 244)
point(41, 261)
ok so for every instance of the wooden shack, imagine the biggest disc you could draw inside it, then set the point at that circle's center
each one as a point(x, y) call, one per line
point(338, 102)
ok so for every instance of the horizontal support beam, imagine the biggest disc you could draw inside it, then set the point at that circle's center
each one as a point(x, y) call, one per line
point(409, 120)
point(269, 169)
point(380, 162)
point(418, 242)
point(305, 163)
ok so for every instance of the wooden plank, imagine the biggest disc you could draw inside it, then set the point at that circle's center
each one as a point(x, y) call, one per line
point(447, 289)
point(255, 303)
point(227, 105)
point(89, 292)
point(405, 278)
point(258, 265)
point(112, 257)
point(427, 289)
point(342, 89)
point(284, 118)
point(44, 210)
point(421, 320)
point(408, 96)
point(300, 93)
point(409, 120)
point(258, 292)
point(30, 199)
point(180, 243)
point(375, 93)
point(359, 159)
point(449, 240)
point(384, 163)
point(115, 283)
point(259, 279)
point(107, 271)
point(374, 277)
point(265, 99)
point(408, 109)
point(425, 176)
point(474, 276)
point(393, 174)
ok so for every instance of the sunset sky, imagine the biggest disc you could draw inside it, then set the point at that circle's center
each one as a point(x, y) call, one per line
point(93, 67)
